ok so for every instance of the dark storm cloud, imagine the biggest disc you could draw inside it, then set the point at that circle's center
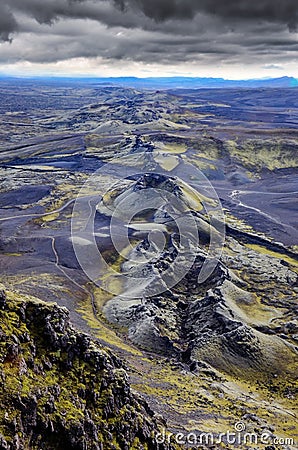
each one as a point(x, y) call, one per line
point(8, 23)
point(285, 11)
point(230, 11)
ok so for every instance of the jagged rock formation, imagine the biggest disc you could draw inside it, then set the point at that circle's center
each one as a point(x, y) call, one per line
point(61, 390)
point(194, 321)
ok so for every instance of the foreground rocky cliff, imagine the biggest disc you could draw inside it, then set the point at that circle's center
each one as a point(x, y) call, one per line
point(61, 390)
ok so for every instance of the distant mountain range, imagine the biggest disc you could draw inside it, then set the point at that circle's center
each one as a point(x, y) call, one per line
point(199, 83)
point(167, 82)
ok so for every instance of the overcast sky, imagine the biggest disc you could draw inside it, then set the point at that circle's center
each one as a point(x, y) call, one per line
point(220, 38)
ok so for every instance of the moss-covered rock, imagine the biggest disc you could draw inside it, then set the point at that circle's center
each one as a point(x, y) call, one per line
point(62, 390)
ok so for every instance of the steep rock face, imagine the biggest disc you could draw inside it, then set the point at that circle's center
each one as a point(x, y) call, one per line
point(61, 390)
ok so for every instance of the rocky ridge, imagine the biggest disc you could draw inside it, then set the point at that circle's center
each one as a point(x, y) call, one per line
point(208, 321)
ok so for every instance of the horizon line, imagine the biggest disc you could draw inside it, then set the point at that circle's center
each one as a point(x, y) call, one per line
point(25, 76)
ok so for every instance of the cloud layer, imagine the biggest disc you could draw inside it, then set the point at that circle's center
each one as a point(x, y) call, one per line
point(150, 31)
point(231, 11)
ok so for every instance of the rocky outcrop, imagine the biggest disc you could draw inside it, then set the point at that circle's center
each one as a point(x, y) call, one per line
point(203, 323)
point(62, 390)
